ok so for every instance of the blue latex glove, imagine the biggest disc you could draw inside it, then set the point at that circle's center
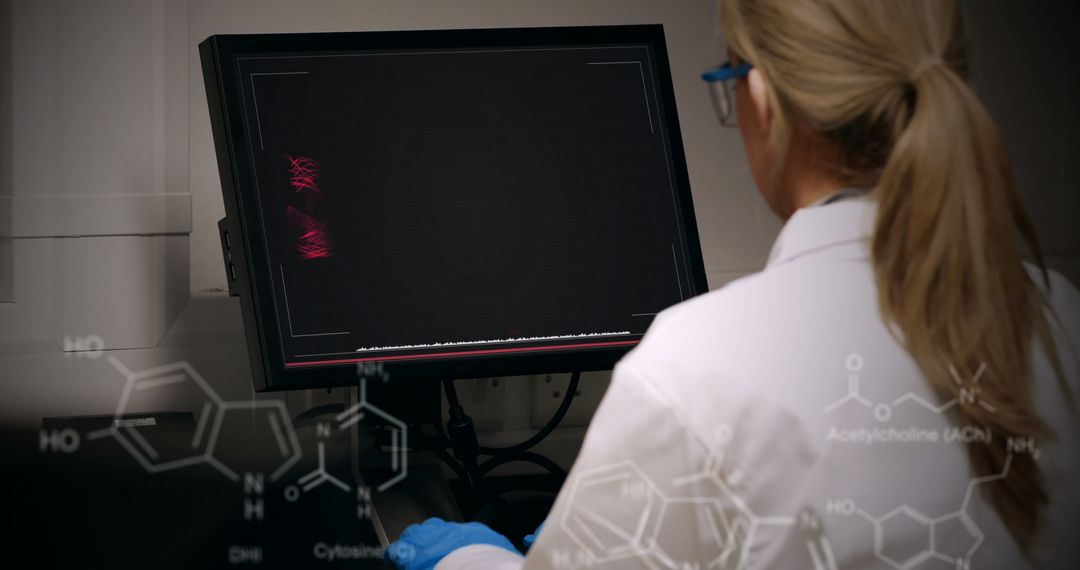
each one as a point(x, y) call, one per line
point(531, 538)
point(423, 545)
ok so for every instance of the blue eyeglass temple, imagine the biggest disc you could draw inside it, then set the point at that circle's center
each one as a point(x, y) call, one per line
point(726, 71)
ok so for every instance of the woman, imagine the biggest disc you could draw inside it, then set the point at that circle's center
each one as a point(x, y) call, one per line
point(896, 388)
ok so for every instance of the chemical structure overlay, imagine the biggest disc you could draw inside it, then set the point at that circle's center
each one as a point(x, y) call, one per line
point(817, 542)
point(968, 393)
point(320, 475)
point(628, 514)
point(620, 512)
point(959, 525)
point(399, 463)
point(220, 434)
point(203, 442)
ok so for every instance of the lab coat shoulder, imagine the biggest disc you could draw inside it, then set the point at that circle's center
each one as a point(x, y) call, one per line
point(730, 346)
point(679, 333)
point(696, 353)
point(674, 426)
point(636, 447)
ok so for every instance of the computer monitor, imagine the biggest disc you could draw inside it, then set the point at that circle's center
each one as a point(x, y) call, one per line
point(447, 204)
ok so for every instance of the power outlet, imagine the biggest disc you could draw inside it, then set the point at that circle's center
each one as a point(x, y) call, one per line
point(548, 391)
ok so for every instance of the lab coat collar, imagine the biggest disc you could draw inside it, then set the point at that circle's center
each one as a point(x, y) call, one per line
point(816, 228)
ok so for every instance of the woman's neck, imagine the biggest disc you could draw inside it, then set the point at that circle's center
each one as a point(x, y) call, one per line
point(807, 177)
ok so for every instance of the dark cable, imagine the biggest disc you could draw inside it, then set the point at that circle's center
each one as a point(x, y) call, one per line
point(545, 431)
point(319, 411)
point(462, 439)
point(526, 456)
point(451, 393)
point(461, 432)
point(450, 462)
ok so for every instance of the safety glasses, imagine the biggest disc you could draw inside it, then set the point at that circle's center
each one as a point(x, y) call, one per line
point(722, 88)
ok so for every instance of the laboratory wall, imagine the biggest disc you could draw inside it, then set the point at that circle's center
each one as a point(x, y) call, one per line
point(109, 190)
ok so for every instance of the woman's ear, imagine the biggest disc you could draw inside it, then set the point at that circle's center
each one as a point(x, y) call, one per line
point(759, 96)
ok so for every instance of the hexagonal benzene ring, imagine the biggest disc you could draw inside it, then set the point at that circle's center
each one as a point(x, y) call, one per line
point(956, 537)
point(677, 543)
point(159, 447)
point(903, 538)
point(399, 443)
point(743, 523)
point(253, 437)
point(624, 508)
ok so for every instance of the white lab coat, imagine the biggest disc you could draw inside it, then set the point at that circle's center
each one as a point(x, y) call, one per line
point(776, 423)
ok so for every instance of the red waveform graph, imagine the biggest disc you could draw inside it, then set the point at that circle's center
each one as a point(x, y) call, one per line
point(311, 239)
point(303, 174)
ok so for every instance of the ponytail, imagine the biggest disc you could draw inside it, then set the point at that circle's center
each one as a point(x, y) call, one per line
point(951, 278)
point(883, 85)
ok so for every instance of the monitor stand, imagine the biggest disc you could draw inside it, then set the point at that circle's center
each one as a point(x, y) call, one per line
point(425, 493)
point(403, 488)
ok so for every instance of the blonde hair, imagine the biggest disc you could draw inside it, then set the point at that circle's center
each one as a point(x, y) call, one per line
point(883, 84)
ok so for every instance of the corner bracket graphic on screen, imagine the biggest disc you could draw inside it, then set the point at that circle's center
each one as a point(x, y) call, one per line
point(452, 203)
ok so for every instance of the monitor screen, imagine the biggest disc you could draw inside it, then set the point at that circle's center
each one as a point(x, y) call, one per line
point(451, 203)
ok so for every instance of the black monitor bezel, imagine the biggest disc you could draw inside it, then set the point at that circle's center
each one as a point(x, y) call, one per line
point(252, 280)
